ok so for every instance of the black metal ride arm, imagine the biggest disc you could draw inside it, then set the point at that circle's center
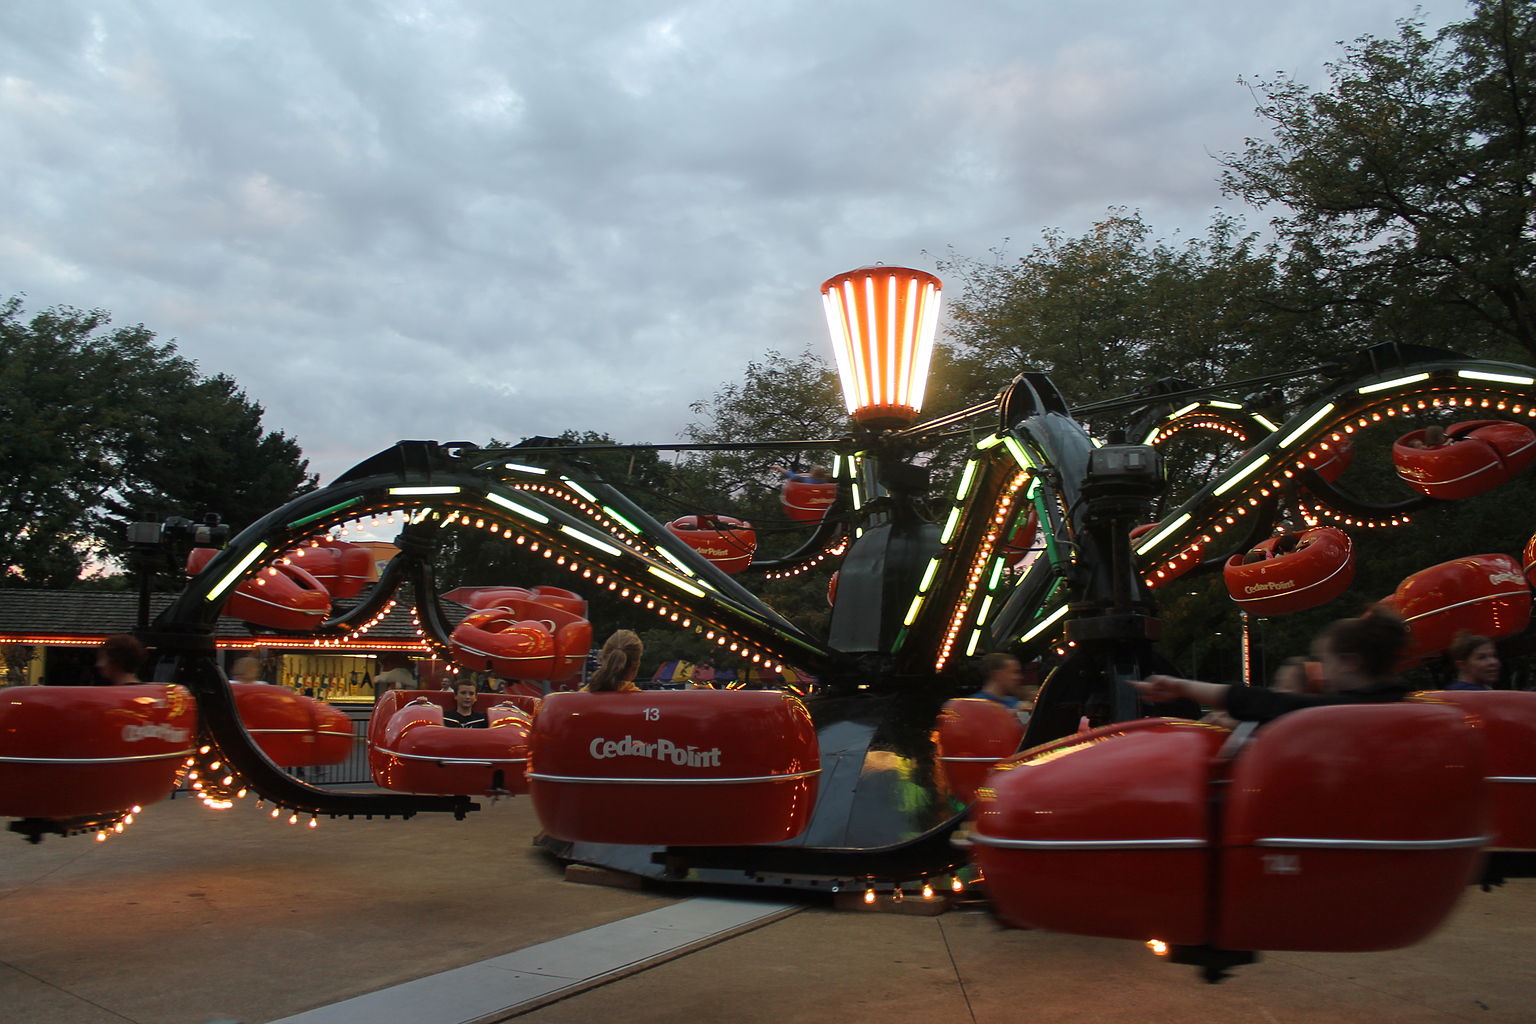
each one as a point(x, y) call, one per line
point(419, 476)
point(1388, 381)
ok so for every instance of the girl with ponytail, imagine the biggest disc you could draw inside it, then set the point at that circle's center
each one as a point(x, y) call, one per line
point(617, 664)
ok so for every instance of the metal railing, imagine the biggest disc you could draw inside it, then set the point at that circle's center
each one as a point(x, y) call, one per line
point(355, 768)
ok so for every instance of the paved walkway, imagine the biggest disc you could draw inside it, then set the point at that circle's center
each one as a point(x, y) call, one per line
point(194, 916)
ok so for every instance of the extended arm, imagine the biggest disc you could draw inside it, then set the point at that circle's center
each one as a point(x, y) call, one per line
point(1161, 689)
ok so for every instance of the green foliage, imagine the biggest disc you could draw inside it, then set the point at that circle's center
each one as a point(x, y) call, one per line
point(100, 428)
point(1406, 190)
point(777, 398)
point(774, 399)
point(1113, 308)
point(1403, 198)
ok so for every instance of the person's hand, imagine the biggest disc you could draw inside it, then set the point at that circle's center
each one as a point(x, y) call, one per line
point(1159, 689)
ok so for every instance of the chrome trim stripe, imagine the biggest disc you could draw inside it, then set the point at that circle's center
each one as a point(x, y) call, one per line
point(1277, 594)
point(507, 657)
point(318, 614)
point(96, 760)
point(977, 760)
point(1290, 842)
point(1461, 604)
point(301, 732)
point(1465, 476)
point(540, 776)
point(1510, 778)
point(452, 760)
point(1088, 844)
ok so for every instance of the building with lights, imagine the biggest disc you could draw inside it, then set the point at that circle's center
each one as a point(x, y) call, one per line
point(48, 637)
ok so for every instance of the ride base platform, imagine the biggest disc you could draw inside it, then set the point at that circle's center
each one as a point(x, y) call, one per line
point(193, 916)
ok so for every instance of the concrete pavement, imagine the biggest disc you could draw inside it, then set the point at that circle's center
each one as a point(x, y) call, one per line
point(193, 916)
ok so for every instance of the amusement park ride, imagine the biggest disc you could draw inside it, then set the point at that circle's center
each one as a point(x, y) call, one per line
point(1336, 828)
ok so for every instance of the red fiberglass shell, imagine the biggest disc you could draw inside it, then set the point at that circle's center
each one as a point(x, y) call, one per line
point(491, 597)
point(523, 639)
point(1483, 594)
point(1351, 828)
point(497, 640)
point(281, 596)
point(1477, 455)
point(727, 542)
point(291, 729)
point(1509, 728)
point(345, 570)
point(1335, 460)
point(69, 751)
point(1103, 833)
point(807, 502)
point(674, 768)
point(973, 734)
point(411, 750)
point(1319, 568)
point(1023, 539)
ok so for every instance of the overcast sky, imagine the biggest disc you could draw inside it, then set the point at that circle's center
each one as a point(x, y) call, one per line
point(459, 220)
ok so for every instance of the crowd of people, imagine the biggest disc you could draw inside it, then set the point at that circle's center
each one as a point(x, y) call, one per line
point(1353, 660)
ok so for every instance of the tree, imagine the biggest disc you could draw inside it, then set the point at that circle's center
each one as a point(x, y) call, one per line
point(1407, 189)
point(1107, 311)
point(101, 428)
point(775, 399)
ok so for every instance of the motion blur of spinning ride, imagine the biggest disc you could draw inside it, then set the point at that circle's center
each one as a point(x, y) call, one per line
point(1340, 828)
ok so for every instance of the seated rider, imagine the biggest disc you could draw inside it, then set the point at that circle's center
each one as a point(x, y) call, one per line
point(817, 475)
point(1434, 437)
point(1476, 660)
point(617, 664)
point(1358, 660)
point(118, 660)
point(1003, 678)
point(463, 714)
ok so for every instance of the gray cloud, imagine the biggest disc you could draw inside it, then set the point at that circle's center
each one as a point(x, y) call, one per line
point(460, 220)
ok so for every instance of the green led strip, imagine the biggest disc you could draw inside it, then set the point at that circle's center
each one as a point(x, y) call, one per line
point(321, 515)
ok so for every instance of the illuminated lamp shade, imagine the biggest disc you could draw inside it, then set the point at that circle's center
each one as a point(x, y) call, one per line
point(882, 321)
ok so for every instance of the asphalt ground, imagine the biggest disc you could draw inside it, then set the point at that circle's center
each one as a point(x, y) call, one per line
point(194, 916)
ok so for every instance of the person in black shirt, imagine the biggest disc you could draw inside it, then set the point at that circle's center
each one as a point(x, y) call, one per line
point(463, 714)
point(118, 660)
point(1359, 666)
